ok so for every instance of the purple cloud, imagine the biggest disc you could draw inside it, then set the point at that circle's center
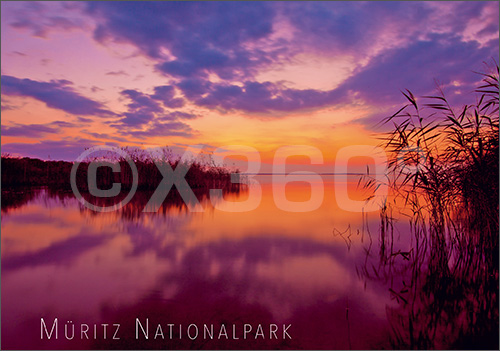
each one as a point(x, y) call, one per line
point(444, 57)
point(220, 38)
point(256, 97)
point(166, 94)
point(28, 130)
point(7, 107)
point(393, 46)
point(105, 136)
point(117, 73)
point(146, 116)
point(55, 94)
point(67, 149)
point(203, 37)
point(162, 129)
point(141, 101)
point(84, 120)
point(40, 18)
point(178, 115)
point(35, 130)
point(441, 57)
point(136, 118)
point(199, 61)
point(41, 30)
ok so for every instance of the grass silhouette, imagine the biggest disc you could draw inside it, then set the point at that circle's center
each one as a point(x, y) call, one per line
point(443, 169)
point(28, 172)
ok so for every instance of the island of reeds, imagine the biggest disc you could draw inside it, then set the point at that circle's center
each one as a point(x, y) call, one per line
point(21, 175)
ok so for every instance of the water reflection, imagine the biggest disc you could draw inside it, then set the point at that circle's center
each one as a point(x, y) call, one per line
point(445, 282)
point(60, 259)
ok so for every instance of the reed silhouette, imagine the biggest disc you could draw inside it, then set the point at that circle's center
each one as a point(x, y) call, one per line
point(443, 169)
point(18, 172)
point(173, 203)
point(28, 172)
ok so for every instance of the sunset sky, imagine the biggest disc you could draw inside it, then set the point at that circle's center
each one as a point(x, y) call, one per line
point(265, 74)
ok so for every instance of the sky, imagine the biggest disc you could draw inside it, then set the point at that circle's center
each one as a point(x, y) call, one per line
point(263, 75)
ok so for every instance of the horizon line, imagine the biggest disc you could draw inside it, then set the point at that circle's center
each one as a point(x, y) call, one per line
point(299, 173)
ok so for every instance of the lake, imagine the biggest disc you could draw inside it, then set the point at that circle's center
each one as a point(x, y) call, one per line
point(313, 271)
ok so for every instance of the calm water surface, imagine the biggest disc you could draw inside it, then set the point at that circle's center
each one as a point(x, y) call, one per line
point(60, 260)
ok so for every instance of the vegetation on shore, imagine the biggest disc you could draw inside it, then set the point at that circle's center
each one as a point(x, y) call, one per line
point(21, 177)
point(444, 169)
point(30, 172)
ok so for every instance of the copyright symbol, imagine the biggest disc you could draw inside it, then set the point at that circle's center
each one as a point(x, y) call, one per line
point(92, 174)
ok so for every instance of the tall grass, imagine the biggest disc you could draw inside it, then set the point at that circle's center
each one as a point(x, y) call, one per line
point(20, 172)
point(28, 172)
point(22, 176)
point(444, 169)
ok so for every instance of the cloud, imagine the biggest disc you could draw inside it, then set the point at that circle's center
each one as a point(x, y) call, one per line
point(256, 97)
point(35, 130)
point(364, 29)
point(148, 108)
point(137, 118)
point(199, 60)
point(444, 57)
point(147, 116)
point(28, 130)
point(178, 115)
point(234, 41)
point(56, 94)
point(41, 30)
point(162, 129)
point(141, 101)
point(67, 149)
point(212, 53)
point(6, 107)
point(141, 110)
point(165, 94)
point(40, 19)
point(400, 44)
point(200, 37)
point(104, 136)
point(193, 88)
point(84, 120)
point(344, 27)
point(117, 73)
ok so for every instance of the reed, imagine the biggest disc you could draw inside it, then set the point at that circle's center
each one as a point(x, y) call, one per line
point(28, 172)
point(443, 169)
